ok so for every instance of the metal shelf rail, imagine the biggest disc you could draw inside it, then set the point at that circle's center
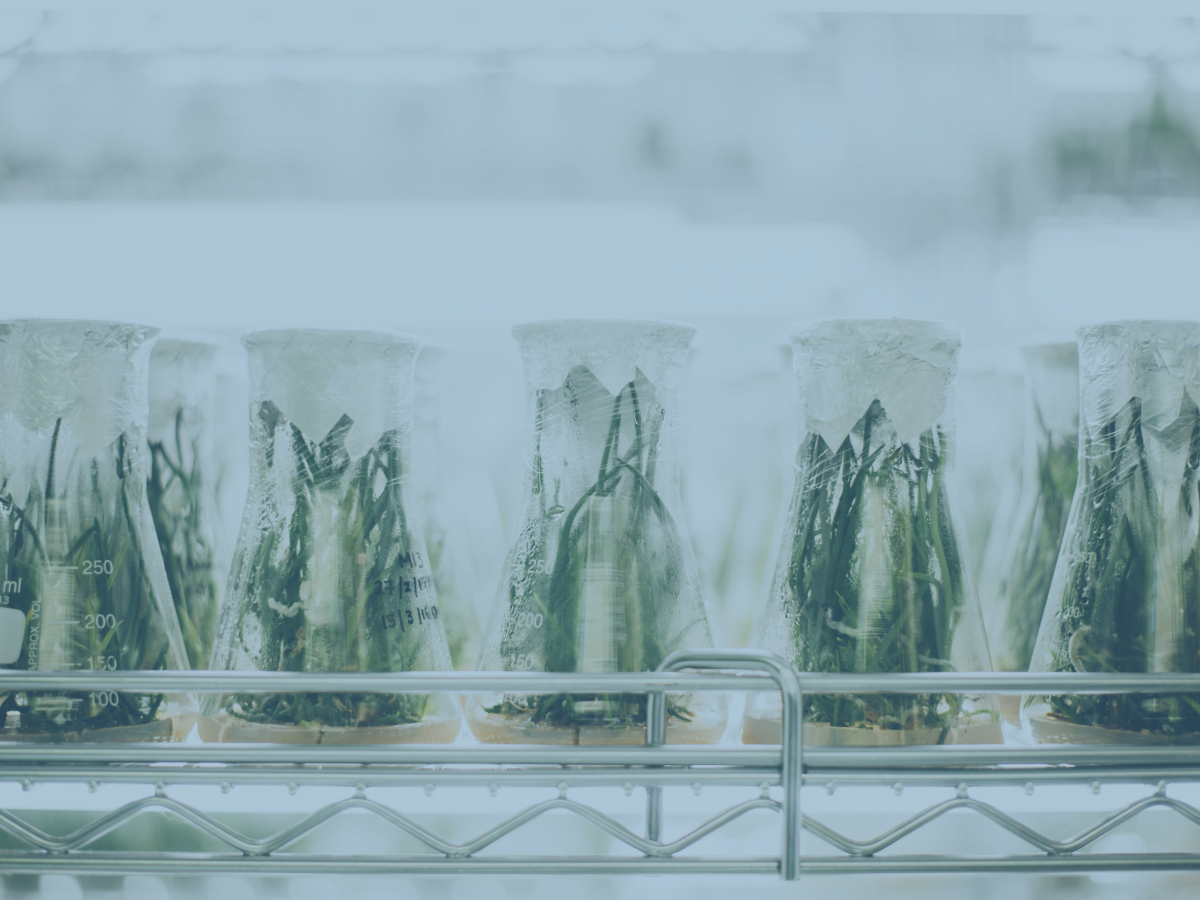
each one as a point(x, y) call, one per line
point(653, 767)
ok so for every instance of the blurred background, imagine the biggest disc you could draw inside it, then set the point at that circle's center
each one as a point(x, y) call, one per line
point(450, 172)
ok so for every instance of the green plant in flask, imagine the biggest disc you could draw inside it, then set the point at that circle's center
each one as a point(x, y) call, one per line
point(330, 572)
point(600, 577)
point(1126, 590)
point(181, 486)
point(871, 576)
point(1014, 603)
point(84, 587)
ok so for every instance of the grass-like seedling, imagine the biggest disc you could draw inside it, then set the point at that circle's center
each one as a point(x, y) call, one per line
point(1126, 595)
point(608, 600)
point(874, 579)
point(1034, 551)
point(335, 583)
point(176, 490)
point(76, 570)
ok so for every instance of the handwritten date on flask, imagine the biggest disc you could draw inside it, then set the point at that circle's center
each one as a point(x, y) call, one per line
point(411, 617)
point(412, 587)
point(416, 584)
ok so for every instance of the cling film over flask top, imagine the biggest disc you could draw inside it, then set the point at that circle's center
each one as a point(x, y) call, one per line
point(600, 577)
point(1126, 590)
point(872, 575)
point(330, 572)
point(84, 588)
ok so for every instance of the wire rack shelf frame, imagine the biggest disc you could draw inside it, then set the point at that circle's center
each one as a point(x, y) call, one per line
point(652, 767)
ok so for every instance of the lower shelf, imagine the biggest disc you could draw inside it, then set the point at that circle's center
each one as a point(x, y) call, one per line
point(655, 809)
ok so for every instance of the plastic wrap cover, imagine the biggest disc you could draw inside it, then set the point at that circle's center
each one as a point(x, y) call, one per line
point(1157, 362)
point(614, 351)
point(182, 378)
point(90, 374)
point(610, 349)
point(315, 377)
point(842, 365)
point(1052, 383)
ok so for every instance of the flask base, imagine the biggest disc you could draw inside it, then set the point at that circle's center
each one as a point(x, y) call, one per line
point(767, 730)
point(171, 728)
point(1010, 709)
point(509, 728)
point(224, 728)
point(1047, 729)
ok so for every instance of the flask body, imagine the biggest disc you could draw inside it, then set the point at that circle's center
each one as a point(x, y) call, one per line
point(989, 465)
point(181, 487)
point(1013, 603)
point(453, 503)
point(872, 574)
point(601, 576)
point(84, 588)
point(330, 573)
point(1126, 590)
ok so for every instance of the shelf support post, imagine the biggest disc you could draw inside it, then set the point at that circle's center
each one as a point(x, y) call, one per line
point(792, 764)
point(656, 736)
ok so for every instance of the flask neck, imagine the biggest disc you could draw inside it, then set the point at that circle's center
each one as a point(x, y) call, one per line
point(875, 441)
point(1051, 416)
point(182, 383)
point(88, 378)
point(589, 442)
point(352, 386)
point(613, 351)
point(1148, 363)
point(907, 367)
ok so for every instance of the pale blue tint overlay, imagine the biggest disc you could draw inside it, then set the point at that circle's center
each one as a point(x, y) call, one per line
point(449, 172)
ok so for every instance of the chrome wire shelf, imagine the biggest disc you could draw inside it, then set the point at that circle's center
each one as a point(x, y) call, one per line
point(773, 777)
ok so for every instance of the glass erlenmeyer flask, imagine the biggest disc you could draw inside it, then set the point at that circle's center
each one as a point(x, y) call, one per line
point(231, 463)
point(84, 585)
point(872, 574)
point(600, 577)
point(450, 560)
point(330, 572)
point(1013, 605)
point(1126, 590)
point(989, 432)
point(182, 486)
